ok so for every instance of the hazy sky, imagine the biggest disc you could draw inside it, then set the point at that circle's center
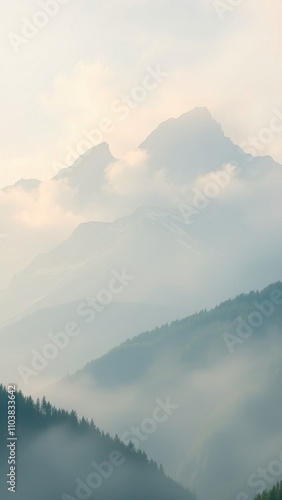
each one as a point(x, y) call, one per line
point(64, 79)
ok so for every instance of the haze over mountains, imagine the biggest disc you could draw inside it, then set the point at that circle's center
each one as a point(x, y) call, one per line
point(185, 250)
point(161, 172)
point(140, 250)
point(109, 248)
point(221, 372)
point(115, 324)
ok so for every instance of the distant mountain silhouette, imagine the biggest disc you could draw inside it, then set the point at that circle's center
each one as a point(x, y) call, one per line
point(86, 175)
point(195, 144)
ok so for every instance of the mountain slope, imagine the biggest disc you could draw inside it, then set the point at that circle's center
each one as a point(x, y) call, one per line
point(222, 370)
point(170, 262)
point(87, 173)
point(115, 323)
point(132, 358)
point(74, 196)
point(68, 459)
point(194, 144)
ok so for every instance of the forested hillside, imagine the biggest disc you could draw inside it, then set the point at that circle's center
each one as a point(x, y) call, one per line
point(274, 494)
point(221, 368)
point(192, 338)
point(62, 457)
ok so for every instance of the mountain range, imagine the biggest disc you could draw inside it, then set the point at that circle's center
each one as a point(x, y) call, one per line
point(109, 248)
point(99, 187)
point(220, 370)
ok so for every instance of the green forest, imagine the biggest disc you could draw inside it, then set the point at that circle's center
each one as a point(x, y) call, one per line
point(57, 449)
point(274, 494)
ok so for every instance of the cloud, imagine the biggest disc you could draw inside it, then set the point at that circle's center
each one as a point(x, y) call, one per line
point(211, 62)
point(34, 222)
point(129, 175)
point(72, 95)
point(49, 205)
point(86, 97)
